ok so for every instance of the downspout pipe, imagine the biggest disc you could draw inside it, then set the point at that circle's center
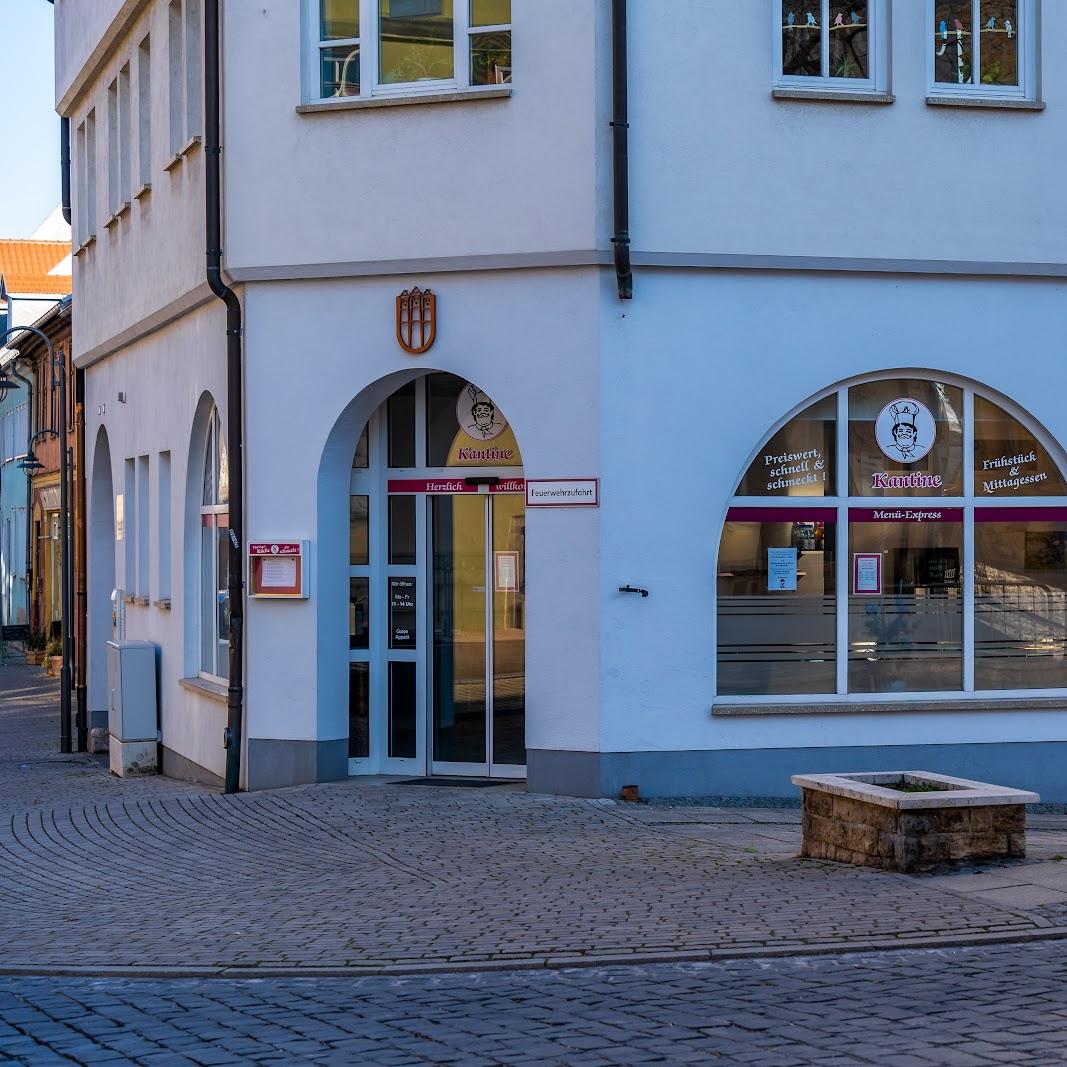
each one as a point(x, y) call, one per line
point(64, 166)
point(620, 127)
point(232, 740)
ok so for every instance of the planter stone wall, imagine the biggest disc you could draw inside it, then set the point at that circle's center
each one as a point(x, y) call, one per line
point(855, 819)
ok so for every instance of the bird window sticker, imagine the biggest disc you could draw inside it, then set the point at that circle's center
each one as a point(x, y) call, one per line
point(844, 53)
point(989, 56)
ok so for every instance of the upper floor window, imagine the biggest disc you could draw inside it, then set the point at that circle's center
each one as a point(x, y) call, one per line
point(832, 44)
point(983, 47)
point(368, 47)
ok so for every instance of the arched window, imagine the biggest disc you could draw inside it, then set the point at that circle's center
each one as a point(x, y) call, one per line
point(214, 556)
point(899, 537)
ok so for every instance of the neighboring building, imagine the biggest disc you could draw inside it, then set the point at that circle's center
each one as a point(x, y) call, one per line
point(828, 429)
point(34, 275)
point(46, 561)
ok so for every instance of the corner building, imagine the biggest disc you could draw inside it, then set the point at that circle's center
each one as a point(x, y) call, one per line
point(825, 435)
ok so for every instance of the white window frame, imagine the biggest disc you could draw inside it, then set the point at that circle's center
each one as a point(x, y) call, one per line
point(368, 43)
point(969, 501)
point(879, 22)
point(1028, 30)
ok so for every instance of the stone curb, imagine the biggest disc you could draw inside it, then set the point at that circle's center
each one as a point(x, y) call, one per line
point(535, 963)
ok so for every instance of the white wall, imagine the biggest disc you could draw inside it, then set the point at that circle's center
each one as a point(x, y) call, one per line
point(154, 254)
point(491, 177)
point(530, 339)
point(163, 378)
point(688, 398)
point(719, 166)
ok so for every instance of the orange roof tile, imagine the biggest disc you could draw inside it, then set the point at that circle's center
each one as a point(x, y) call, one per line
point(25, 266)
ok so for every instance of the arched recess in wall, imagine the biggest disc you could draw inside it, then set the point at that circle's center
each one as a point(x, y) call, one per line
point(101, 571)
point(421, 580)
point(206, 556)
point(900, 537)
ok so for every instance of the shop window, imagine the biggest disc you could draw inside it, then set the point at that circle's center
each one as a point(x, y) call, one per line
point(465, 428)
point(832, 44)
point(799, 460)
point(908, 636)
point(1008, 459)
point(776, 594)
point(953, 581)
point(374, 46)
point(214, 566)
point(983, 47)
point(905, 438)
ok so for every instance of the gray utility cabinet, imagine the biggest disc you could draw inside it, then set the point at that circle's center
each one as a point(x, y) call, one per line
point(131, 687)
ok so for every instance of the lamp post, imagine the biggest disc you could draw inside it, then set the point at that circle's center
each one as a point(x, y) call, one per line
point(58, 368)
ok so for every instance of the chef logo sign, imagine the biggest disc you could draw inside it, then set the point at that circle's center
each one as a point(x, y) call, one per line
point(905, 431)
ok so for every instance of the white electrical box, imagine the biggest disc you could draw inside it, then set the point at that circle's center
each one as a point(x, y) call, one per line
point(132, 718)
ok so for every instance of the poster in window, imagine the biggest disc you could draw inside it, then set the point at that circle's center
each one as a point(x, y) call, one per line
point(867, 573)
point(402, 613)
point(782, 570)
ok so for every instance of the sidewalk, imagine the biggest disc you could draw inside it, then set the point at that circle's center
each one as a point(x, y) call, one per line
point(101, 876)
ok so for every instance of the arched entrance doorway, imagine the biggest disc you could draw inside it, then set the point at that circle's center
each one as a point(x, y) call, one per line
point(437, 587)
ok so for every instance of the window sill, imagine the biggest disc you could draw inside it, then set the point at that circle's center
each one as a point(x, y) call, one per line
point(833, 96)
point(85, 245)
point(190, 146)
point(1004, 103)
point(885, 707)
point(211, 690)
point(143, 191)
point(174, 161)
point(164, 604)
point(358, 103)
point(117, 214)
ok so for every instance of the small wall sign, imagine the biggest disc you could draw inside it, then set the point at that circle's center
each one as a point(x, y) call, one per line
point(416, 320)
point(277, 569)
point(563, 492)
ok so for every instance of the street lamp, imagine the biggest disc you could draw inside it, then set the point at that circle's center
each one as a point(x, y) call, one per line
point(31, 463)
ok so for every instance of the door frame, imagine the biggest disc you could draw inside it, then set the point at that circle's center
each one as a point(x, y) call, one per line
point(373, 482)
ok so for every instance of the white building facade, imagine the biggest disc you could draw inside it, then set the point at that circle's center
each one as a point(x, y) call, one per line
point(825, 436)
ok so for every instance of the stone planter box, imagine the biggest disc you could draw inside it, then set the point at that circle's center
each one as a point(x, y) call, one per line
point(862, 819)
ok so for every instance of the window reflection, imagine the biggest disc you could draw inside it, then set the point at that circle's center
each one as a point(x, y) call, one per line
point(1020, 601)
point(416, 41)
point(777, 633)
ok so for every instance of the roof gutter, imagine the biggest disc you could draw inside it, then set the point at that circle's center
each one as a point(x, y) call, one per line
point(620, 126)
point(234, 407)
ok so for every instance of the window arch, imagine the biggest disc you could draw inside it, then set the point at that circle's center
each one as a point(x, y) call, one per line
point(901, 536)
point(213, 569)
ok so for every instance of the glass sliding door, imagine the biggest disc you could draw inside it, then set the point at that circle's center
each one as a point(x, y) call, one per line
point(479, 621)
point(459, 628)
point(509, 634)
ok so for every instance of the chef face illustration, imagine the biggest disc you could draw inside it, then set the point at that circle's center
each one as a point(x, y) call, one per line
point(905, 430)
point(478, 416)
point(905, 433)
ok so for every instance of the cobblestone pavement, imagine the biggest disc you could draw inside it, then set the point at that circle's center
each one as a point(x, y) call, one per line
point(964, 1007)
point(33, 773)
point(100, 876)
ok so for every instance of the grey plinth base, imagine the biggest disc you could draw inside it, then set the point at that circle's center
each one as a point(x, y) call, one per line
point(133, 757)
point(860, 819)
